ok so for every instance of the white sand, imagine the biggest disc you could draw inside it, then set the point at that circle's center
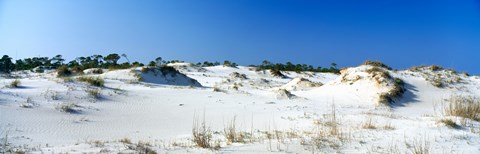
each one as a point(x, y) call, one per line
point(161, 111)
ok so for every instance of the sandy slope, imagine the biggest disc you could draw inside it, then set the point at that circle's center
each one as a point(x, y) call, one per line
point(161, 113)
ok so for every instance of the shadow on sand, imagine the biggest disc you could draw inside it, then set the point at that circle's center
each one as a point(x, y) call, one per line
point(408, 97)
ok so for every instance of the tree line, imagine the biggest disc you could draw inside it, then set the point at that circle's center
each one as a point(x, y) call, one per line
point(110, 61)
point(289, 66)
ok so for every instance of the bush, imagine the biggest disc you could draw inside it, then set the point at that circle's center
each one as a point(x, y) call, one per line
point(376, 63)
point(277, 73)
point(147, 69)
point(168, 69)
point(77, 69)
point(15, 83)
point(97, 71)
point(98, 82)
point(63, 71)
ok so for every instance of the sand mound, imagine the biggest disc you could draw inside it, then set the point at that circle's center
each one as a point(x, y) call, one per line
point(94, 71)
point(284, 94)
point(187, 67)
point(300, 83)
point(237, 76)
point(375, 81)
point(163, 75)
point(440, 77)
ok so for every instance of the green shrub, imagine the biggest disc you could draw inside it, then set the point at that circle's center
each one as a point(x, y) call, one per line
point(277, 73)
point(168, 70)
point(97, 71)
point(63, 71)
point(99, 82)
point(77, 69)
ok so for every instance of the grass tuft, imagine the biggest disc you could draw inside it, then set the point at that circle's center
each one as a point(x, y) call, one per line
point(449, 123)
point(463, 106)
point(97, 81)
point(15, 83)
point(377, 64)
point(69, 108)
point(202, 135)
point(369, 124)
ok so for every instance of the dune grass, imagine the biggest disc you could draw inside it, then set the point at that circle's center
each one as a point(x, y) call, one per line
point(94, 81)
point(463, 106)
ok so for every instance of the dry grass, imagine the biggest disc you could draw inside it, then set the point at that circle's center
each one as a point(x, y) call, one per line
point(232, 135)
point(125, 141)
point(377, 64)
point(449, 123)
point(369, 124)
point(463, 106)
point(388, 126)
point(394, 94)
point(69, 108)
point(94, 93)
point(15, 83)
point(329, 134)
point(202, 135)
point(382, 76)
point(420, 146)
point(217, 89)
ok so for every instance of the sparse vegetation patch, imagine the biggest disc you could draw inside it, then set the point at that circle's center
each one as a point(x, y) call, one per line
point(377, 64)
point(15, 83)
point(63, 71)
point(69, 108)
point(463, 106)
point(202, 135)
point(94, 81)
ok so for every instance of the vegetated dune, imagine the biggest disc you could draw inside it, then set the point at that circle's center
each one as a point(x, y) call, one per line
point(187, 67)
point(365, 109)
point(163, 75)
point(300, 83)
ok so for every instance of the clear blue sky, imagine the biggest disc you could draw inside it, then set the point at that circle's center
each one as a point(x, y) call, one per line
point(401, 33)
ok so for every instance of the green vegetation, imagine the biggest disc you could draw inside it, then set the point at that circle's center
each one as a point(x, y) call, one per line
point(63, 71)
point(377, 64)
point(98, 82)
point(6, 65)
point(289, 66)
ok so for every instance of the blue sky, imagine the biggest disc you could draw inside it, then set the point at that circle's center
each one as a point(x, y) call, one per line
point(401, 33)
